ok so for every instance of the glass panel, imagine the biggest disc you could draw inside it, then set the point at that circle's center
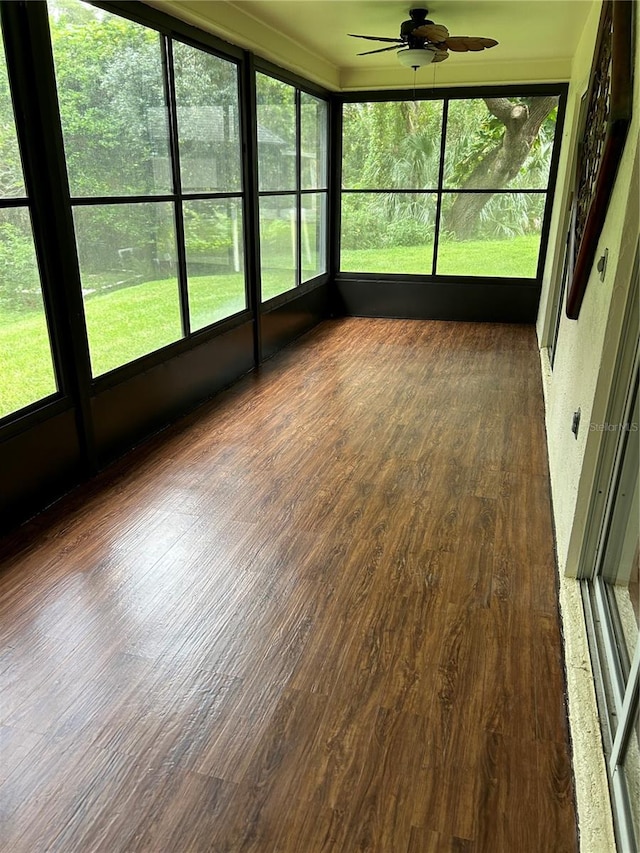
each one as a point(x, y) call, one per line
point(26, 366)
point(208, 131)
point(215, 260)
point(313, 129)
point(621, 559)
point(112, 104)
point(387, 232)
point(486, 234)
point(480, 155)
point(631, 770)
point(391, 145)
point(314, 235)
point(278, 240)
point(276, 114)
point(11, 179)
point(129, 281)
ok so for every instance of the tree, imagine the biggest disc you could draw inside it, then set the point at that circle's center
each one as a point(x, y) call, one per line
point(520, 124)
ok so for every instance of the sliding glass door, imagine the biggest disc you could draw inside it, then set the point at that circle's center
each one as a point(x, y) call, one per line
point(613, 605)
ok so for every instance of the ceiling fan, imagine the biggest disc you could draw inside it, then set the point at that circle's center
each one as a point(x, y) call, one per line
point(421, 41)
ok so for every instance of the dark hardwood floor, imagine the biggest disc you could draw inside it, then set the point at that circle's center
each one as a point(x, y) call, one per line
point(319, 614)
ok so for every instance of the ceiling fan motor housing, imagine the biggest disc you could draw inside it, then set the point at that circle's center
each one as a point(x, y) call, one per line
point(418, 19)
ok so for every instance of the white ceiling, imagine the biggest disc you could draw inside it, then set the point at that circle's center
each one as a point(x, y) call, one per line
point(537, 38)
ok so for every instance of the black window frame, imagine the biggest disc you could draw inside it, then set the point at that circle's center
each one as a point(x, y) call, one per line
point(300, 85)
point(218, 49)
point(446, 95)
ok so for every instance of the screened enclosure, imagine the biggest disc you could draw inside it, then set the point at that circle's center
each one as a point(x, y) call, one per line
point(449, 187)
point(175, 209)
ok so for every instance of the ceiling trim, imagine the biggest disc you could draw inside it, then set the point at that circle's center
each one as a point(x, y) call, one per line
point(463, 74)
point(225, 20)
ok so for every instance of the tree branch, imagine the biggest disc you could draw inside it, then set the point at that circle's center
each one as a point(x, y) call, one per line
point(539, 110)
point(501, 108)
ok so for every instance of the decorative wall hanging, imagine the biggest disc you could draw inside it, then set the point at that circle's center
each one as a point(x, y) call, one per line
point(609, 103)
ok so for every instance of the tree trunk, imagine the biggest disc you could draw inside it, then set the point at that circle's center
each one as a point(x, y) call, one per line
point(502, 164)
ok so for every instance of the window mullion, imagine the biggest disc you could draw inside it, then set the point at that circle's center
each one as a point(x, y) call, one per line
point(249, 131)
point(443, 139)
point(298, 189)
point(174, 148)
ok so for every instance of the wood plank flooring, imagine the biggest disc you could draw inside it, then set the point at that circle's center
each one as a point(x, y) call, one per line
point(319, 614)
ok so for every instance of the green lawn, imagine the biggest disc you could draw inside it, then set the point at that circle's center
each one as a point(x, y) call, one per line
point(509, 258)
point(26, 371)
point(126, 324)
point(122, 326)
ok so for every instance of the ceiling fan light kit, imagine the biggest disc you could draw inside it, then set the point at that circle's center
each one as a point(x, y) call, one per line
point(422, 42)
point(416, 57)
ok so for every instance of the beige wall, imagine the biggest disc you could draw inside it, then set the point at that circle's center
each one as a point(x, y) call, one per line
point(587, 347)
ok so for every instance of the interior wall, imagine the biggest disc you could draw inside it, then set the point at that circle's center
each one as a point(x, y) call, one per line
point(586, 348)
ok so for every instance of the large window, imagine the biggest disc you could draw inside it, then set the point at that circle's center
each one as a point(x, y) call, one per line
point(26, 366)
point(157, 206)
point(454, 187)
point(292, 181)
point(211, 168)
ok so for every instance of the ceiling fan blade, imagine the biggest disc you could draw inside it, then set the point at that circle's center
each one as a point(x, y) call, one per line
point(461, 44)
point(380, 50)
point(440, 56)
point(374, 38)
point(435, 33)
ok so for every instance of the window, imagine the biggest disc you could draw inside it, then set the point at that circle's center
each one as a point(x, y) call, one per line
point(159, 229)
point(210, 167)
point(391, 156)
point(313, 170)
point(292, 180)
point(27, 372)
point(477, 210)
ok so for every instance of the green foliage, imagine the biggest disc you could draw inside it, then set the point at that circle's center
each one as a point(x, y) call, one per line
point(512, 215)
point(274, 233)
point(391, 144)
point(19, 278)
point(406, 232)
point(276, 118)
point(109, 76)
point(362, 225)
point(11, 181)
point(396, 145)
point(207, 230)
point(473, 134)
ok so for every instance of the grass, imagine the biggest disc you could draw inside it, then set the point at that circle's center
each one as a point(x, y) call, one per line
point(126, 324)
point(26, 370)
point(511, 258)
point(122, 325)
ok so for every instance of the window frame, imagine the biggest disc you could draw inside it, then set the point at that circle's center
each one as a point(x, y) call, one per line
point(446, 95)
point(300, 85)
point(220, 50)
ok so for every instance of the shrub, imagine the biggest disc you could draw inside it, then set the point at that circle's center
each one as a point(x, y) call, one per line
point(19, 278)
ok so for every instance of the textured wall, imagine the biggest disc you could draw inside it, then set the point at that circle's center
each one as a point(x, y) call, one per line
point(586, 348)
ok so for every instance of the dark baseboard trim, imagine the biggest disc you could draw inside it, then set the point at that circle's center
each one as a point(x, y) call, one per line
point(508, 301)
point(284, 323)
point(127, 413)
